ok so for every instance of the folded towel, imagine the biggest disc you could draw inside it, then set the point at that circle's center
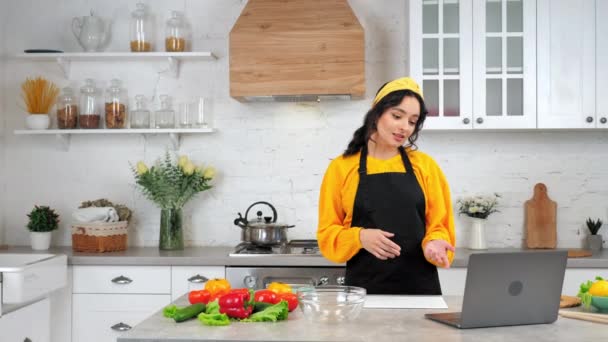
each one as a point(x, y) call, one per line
point(96, 214)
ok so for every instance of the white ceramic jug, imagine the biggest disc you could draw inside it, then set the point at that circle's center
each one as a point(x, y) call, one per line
point(90, 31)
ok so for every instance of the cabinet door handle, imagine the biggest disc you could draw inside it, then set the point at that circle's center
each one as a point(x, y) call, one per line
point(589, 119)
point(122, 280)
point(121, 327)
point(479, 120)
point(197, 279)
point(603, 120)
point(466, 121)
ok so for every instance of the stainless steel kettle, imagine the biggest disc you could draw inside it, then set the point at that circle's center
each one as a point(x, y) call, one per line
point(264, 231)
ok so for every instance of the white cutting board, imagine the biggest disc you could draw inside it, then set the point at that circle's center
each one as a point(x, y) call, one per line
point(404, 302)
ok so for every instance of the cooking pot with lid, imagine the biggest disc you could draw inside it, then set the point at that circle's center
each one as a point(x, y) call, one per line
point(263, 231)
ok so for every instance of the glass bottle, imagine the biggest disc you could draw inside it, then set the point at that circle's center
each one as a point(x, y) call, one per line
point(165, 116)
point(141, 30)
point(90, 105)
point(67, 109)
point(175, 33)
point(116, 105)
point(140, 117)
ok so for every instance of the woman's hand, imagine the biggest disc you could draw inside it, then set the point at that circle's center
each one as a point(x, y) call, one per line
point(377, 242)
point(436, 251)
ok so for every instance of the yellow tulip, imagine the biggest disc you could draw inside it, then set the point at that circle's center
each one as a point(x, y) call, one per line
point(141, 168)
point(183, 160)
point(209, 172)
point(188, 168)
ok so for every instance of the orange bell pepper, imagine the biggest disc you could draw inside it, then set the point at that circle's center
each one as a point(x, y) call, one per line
point(217, 287)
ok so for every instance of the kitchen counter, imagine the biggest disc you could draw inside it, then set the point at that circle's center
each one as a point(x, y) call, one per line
point(371, 325)
point(218, 256)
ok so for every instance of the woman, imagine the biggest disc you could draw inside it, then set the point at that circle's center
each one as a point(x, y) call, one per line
point(384, 209)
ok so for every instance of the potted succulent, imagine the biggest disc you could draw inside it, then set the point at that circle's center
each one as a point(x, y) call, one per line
point(594, 240)
point(39, 96)
point(43, 220)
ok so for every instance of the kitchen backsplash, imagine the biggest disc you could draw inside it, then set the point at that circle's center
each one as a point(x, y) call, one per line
point(275, 152)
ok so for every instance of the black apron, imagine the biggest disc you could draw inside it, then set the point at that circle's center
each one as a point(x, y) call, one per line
point(393, 202)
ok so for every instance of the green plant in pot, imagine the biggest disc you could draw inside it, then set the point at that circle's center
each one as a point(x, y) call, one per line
point(42, 221)
point(594, 240)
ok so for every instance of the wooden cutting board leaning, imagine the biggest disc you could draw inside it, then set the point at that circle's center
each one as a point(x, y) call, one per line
point(541, 219)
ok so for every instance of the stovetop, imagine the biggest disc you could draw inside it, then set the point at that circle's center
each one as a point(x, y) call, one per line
point(292, 248)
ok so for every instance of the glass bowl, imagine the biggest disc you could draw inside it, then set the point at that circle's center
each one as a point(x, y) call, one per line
point(331, 303)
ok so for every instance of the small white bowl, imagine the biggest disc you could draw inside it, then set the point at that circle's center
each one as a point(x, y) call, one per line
point(38, 121)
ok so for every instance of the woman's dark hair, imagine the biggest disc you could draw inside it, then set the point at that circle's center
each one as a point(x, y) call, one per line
point(363, 133)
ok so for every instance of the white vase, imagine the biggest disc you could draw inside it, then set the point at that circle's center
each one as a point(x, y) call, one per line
point(477, 239)
point(40, 240)
point(38, 121)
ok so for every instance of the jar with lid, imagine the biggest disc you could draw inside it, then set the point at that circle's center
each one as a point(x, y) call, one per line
point(90, 105)
point(142, 29)
point(67, 109)
point(165, 116)
point(116, 105)
point(140, 117)
point(175, 33)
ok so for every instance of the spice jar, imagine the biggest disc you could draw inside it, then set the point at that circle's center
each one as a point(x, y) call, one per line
point(67, 109)
point(140, 117)
point(165, 116)
point(116, 105)
point(141, 29)
point(90, 105)
point(175, 33)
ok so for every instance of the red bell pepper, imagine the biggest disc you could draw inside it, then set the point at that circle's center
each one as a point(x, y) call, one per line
point(236, 304)
point(199, 296)
point(290, 298)
point(266, 296)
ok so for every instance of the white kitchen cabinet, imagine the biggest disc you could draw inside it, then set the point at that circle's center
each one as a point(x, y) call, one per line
point(30, 323)
point(188, 278)
point(601, 63)
point(452, 280)
point(440, 54)
point(476, 60)
point(108, 300)
point(567, 63)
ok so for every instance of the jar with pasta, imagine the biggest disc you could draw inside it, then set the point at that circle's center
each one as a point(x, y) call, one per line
point(142, 30)
point(116, 105)
point(67, 109)
point(89, 115)
point(175, 33)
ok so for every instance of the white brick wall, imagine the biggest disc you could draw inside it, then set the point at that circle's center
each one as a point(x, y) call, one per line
point(2, 118)
point(273, 152)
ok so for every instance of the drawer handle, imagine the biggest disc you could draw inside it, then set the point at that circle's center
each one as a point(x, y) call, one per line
point(197, 279)
point(122, 280)
point(121, 327)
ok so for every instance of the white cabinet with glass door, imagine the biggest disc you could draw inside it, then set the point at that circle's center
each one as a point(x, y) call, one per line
point(440, 60)
point(567, 61)
point(504, 64)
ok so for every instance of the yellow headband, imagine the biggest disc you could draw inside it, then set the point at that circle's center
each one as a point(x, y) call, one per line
point(403, 83)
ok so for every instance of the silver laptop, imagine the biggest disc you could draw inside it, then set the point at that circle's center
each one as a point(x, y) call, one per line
point(509, 288)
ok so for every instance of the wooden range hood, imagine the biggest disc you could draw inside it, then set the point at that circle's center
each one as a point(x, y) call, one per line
point(297, 50)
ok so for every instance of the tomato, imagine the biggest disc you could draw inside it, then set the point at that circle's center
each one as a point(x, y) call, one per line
point(217, 286)
point(290, 298)
point(266, 296)
point(199, 296)
point(278, 287)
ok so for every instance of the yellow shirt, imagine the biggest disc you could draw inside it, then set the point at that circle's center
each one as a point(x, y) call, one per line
point(339, 242)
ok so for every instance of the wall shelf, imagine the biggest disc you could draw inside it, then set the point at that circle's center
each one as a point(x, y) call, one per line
point(63, 135)
point(65, 59)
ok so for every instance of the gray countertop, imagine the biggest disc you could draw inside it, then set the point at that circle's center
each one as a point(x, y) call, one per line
point(218, 256)
point(371, 325)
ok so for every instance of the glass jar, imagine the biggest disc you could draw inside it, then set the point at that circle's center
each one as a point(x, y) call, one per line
point(90, 105)
point(142, 26)
point(115, 106)
point(175, 33)
point(67, 109)
point(165, 116)
point(140, 117)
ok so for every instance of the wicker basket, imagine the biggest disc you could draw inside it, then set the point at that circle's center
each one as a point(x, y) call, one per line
point(99, 237)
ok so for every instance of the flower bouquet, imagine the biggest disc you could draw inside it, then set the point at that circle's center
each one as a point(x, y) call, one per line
point(478, 208)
